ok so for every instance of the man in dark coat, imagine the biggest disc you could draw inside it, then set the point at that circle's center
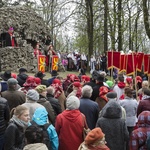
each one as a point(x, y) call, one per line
point(99, 83)
point(54, 102)
point(4, 118)
point(13, 96)
point(88, 107)
point(54, 74)
point(113, 126)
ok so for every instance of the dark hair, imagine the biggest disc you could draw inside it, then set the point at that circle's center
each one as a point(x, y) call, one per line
point(34, 134)
point(128, 91)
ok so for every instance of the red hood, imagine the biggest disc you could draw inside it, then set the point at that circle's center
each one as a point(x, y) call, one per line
point(71, 114)
point(121, 85)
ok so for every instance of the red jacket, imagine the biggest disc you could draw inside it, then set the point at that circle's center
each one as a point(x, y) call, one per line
point(69, 126)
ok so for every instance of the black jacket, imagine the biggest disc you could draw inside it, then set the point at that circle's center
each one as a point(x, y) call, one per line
point(21, 78)
point(55, 104)
point(14, 137)
point(4, 115)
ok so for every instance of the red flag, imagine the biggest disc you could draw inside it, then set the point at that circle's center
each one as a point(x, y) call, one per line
point(113, 59)
point(123, 61)
point(140, 57)
point(131, 64)
point(146, 63)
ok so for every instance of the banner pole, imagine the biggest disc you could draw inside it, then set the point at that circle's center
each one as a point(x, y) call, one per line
point(112, 54)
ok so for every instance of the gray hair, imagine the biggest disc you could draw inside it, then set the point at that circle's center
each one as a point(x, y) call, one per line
point(87, 91)
point(50, 90)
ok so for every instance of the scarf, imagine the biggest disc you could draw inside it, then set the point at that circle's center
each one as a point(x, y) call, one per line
point(19, 122)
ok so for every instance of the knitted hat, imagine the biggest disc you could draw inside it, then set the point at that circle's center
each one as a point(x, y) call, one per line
point(138, 79)
point(32, 95)
point(76, 84)
point(12, 81)
point(40, 88)
point(111, 95)
point(56, 81)
point(72, 103)
point(109, 83)
point(13, 75)
point(93, 136)
point(129, 80)
point(30, 82)
point(37, 80)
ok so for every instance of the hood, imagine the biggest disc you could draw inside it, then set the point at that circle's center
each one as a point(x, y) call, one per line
point(36, 146)
point(144, 119)
point(112, 110)
point(40, 116)
point(23, 76)
point(71, 115)
point(121, 85)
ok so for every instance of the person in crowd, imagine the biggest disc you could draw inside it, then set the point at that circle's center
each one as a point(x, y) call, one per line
point(102, 99)
point(119, 87)
point(85, 79)
point(110, 84)
point(41, 89)
point(32, 97)
point(31, 83)
point(88, 107)
point(145, 85)
point(59, 93)
point(69, 125)
point(13, 96)
point(92, 63)
point(144, 104)
point(41, 76)
point(83, 61)
point(54, 74)
point(129, 82)
point(139, 136)
point(99, 83)
point(10, 38)
point(113, 126)
point(14, 134)
point(130, 105)
point(40, 117)
point(71, 59)
point(76, 90)
point(104, 62)
point(4, 119)
point(112, 96)
point(37, 51)
point(81, 73)
point(54, 102)
point(34, 138)
point(92, 82)
point(3, 84)
point(22, 76)
point(95, 139)
point(37, 80)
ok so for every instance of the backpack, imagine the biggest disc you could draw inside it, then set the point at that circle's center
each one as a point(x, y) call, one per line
point(46, 139)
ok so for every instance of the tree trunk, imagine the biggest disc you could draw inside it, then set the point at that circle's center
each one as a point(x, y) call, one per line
point(105, 26)
point(119, 25)
point(146, 19)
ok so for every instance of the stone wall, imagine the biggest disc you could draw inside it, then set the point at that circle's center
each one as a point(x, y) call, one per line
point(15, 58)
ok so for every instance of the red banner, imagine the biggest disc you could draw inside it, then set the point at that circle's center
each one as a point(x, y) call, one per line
point(140, 57)
point(113, 59)
point(146, 59)
point(41, 63)
point(123, 62)
point(55, 60)
point(131, 64)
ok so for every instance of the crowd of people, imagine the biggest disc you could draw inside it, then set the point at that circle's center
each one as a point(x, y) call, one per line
point(51, 113)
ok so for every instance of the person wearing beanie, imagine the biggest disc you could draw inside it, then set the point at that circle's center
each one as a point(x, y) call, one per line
point(76, 90)
point(95, 139)
point(42, 90)
point(32, 97)
point(112, 96)
point(69, 125)
point(13, 96)
point(110, 84)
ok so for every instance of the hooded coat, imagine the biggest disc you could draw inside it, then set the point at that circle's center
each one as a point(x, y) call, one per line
point(69, 126)
point(113, 126)
point(36, 146)
point(40, 117)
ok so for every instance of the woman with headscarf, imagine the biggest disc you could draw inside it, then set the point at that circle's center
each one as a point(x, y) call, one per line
point(14, 134)
point(69, 125)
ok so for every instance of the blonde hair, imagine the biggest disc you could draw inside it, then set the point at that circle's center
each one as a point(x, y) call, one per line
point(18, 111)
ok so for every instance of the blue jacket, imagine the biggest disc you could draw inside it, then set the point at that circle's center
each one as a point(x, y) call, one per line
point(40, 117)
